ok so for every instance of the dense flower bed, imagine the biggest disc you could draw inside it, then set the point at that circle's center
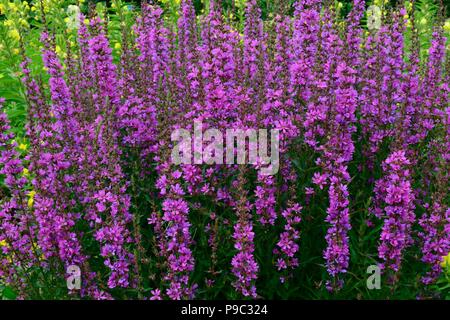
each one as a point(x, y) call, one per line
point(363, 122)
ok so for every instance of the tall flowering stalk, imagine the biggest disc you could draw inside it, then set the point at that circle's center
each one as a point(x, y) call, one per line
point(436, 243)
point(287, 245)
point(18, 249)
point(106, 201)
point(397, 195)
point(280, 113)
point(139, 112)
point(382, 87)
point(219, 65)
point(330, 123)
point(55, 193)
point(435, 222)
point(178, 240)
point(434, 94)
point(394, 196)
point(305, 44)
point(262, 101)
point(244, 265)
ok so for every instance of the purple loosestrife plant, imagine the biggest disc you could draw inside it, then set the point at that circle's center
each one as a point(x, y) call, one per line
point(106, 199)
point(435, 222)
point(19, 253)
point(351, 107)
point(330, 123)
point(382, 87)
point(244, 265)
point(56, 193)
point(397, 197)
point(287, 244)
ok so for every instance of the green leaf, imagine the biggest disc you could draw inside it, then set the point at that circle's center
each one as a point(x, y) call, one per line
point(9, 293)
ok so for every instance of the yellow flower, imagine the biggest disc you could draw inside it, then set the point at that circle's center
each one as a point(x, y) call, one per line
point(23, 146)
point(25, 172)
point(16, 51)
point(86, 21)
point(380, 2)
point(31, 195)
point(447, 25)
point(14, 33)
point(23, 22)
point(240, 3)
point(8, 23)
point(117, 46)
point(12, 6)
point(446, 261)
point(3, 243)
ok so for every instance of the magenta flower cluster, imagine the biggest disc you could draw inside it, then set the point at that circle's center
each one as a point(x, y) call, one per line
point(97, 187)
